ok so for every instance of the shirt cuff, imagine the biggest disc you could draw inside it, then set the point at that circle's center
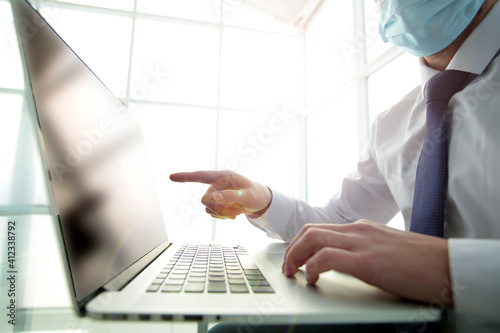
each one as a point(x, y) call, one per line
point(276, 217)
point(475, 271)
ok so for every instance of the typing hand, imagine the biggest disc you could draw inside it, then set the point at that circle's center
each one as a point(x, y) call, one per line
point(229, 194)
point(404, 263)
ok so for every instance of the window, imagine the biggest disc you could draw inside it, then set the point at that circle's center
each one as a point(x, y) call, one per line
point(226, 95)
point(349, 73)
point(235, 89)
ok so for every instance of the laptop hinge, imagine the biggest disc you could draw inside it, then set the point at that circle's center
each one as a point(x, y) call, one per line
point(122, 279)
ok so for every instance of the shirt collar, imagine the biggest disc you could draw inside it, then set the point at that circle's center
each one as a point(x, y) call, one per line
point(476, 52)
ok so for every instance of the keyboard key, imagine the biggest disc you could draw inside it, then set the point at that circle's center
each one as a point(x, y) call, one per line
point(211, 273)
point(199, 270)
point(252, 271)
point(216, 287)
point(157, 281)
point(255, 277)
point(216, 270)
point(172, 288)
point(174, 282)
point(213, 260)
point(234, 276)
point(217, 278)
point(161, 276)
point(236, 281)
point(153, 288)
point(238, 288)
point(196, 279)
point(256, 283)
point(231, 269)
point(262, 289)
point(194, 287)
point(197, 274)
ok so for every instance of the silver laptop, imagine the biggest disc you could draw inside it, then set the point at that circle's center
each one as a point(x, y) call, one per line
point(119, 261)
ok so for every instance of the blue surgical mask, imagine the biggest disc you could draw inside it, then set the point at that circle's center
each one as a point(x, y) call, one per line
point(424, 27)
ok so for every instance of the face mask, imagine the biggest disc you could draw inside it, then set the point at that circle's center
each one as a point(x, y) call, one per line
point(424, 27)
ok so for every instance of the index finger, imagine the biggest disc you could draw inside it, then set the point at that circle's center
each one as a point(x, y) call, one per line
point(205, 177)
point(310, 242)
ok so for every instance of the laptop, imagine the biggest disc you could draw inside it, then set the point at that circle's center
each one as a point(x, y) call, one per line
point(119, 262)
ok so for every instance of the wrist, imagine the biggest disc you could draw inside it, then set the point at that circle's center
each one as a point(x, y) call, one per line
point(269, 199)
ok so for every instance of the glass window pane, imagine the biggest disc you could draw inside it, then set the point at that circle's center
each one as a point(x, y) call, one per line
point(200, 10)
point(175, 63)
point(235, 12)
point(180, 139)
point(259, 70)
point(41, 263)
point(10, 60)
point(21, 177)
point(9, 132)
point(261, 146)
point(387, 86)
point(101, 41)
point(330, 51)
point(332, 147)
point(264, 148)
point(115, 4)
point(374, 44)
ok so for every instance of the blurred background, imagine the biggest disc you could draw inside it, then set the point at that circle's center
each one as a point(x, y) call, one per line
point(283, 92)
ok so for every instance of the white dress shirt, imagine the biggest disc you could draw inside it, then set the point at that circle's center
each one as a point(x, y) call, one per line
point(383, 183)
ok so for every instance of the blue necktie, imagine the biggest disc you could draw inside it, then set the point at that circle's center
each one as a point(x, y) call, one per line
point(432, 169)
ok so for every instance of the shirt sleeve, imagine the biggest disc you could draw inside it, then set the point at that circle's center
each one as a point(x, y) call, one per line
point(475, 272)
point(364, 195)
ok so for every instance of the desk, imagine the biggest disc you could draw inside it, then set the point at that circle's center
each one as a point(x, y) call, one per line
point(64, 320)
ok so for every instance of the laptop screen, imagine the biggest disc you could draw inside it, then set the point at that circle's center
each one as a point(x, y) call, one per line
point(103, 189)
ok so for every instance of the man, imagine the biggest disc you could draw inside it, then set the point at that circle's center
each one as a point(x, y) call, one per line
point(460, 270)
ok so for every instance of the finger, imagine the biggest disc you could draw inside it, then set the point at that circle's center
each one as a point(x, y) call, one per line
point(214, 215)
point(240, 198)
point(219, 200)
point(292, 243)
point(305, 228)
point(297, 237)
point(228, 212)
point(211, 206)
point(311, 241)
point(331, 258)
point(358, 227)
point(222, 217)
point(205, 177)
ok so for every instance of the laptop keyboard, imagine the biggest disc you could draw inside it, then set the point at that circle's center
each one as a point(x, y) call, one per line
point(211, 268)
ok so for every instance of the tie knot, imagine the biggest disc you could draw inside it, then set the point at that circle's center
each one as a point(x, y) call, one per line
point(442, 86)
